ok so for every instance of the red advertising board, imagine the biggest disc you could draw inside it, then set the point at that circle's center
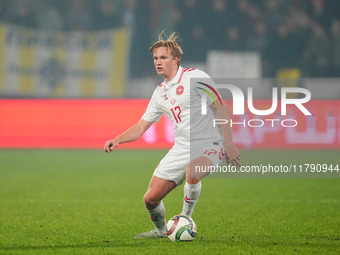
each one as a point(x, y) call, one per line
point(295, 130)
point(87, 124)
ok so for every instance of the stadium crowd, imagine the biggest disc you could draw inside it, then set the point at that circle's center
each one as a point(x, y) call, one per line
point(303, 34)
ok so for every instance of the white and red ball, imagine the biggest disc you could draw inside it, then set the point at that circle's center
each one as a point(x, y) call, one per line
point(181, 228)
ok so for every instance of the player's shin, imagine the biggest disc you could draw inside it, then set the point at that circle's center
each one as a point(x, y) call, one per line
point(157, 217)
point(191, 194)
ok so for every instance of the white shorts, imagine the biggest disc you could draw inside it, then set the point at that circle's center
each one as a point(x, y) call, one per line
point(173, 166)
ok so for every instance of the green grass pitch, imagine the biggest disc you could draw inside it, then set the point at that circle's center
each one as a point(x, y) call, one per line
point(90, 202)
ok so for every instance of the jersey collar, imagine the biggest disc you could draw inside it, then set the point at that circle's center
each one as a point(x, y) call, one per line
point(177, 78)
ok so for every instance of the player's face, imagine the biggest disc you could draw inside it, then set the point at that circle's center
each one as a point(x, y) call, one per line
point(165, 64)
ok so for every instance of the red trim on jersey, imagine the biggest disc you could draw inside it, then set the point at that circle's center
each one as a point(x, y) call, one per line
point(183, 71)
point(181, 75)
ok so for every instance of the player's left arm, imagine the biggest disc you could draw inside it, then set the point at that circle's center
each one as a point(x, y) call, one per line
point(233, 155)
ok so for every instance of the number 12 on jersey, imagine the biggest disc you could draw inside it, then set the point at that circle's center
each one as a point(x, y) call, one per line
point(176, 112)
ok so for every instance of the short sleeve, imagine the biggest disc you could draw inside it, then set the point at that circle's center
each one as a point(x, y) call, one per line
point(153, 113)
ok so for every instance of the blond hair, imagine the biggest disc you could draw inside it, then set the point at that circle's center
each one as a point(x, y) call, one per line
point(171, 43)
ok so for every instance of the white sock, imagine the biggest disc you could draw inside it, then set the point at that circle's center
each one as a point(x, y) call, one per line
point(191, 194)
point(157, 217)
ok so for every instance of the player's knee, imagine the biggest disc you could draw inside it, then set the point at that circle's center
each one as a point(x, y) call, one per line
point(192, 178)
point(192, 181)
point(150, 200)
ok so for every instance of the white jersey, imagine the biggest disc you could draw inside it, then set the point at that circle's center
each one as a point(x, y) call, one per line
point(181, 102)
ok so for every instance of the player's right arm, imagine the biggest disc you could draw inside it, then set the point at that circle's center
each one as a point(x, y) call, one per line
point(129, 135)
point(152, 114)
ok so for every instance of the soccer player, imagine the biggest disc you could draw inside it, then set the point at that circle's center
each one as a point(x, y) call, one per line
point(197, 142)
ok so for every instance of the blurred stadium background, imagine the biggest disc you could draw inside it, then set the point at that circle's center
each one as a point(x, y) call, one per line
point(95, 50)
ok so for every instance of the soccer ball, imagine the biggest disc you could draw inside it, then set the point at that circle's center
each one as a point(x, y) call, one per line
point(181, 228)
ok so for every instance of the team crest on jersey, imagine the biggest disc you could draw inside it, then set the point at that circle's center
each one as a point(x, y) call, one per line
point(180, 90)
